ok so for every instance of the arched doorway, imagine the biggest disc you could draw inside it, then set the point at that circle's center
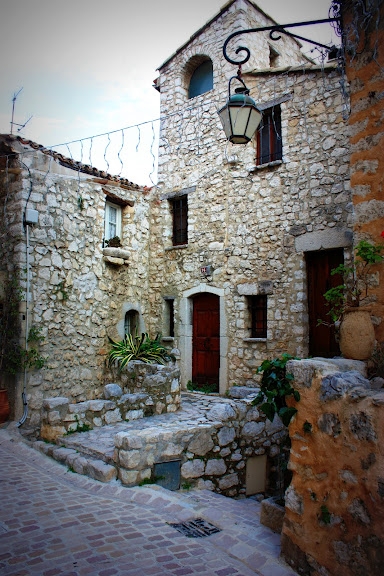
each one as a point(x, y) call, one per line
point(206, 339)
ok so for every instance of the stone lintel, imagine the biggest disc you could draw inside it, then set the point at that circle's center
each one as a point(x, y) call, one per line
point(324, 240)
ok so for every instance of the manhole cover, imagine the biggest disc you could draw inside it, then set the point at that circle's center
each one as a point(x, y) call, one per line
point(197, 528)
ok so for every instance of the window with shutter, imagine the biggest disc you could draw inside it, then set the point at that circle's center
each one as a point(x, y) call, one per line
point(269, 142)
point(257, 306)
point(180, 220)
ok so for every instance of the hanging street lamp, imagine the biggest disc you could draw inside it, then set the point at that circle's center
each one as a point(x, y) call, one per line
point(240, 116)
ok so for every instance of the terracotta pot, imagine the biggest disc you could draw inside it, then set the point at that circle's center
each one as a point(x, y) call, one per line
point(357, 335)
point(4, 406)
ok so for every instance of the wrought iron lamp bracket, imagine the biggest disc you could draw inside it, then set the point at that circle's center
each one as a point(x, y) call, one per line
point(275, 34)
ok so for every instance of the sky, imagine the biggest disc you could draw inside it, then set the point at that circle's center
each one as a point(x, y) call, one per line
point(82, 68)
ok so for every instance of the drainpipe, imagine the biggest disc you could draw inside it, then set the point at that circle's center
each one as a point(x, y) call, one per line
point(30, 217)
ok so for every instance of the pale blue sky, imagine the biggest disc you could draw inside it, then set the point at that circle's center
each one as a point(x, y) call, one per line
point(86, 66)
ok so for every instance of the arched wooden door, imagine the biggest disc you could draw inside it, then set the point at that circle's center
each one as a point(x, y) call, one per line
point(206, 340)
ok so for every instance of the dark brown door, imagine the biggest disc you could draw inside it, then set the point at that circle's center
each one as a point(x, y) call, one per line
point(322, 341)
point(206, 340)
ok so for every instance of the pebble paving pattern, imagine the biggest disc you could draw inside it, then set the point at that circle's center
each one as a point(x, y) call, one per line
point(57, 523)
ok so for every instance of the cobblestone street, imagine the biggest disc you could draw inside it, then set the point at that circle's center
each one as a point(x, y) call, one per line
point(54, 522)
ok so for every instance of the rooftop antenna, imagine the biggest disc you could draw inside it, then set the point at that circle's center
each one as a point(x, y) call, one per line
point(21, 126)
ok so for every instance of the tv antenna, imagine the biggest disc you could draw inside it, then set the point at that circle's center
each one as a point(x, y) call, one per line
point(21, 126)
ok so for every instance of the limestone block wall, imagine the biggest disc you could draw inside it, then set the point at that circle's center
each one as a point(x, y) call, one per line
point(334, 523)
point(252, 224)
point(146, 390)
point(175, 72)
point(213, 448)
point(77, 298)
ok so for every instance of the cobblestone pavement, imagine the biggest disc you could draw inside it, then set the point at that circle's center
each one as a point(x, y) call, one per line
point(54, 522)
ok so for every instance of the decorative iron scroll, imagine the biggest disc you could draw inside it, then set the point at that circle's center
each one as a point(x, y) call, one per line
point(275, 34)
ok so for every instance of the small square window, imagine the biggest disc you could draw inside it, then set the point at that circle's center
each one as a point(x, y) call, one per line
point(269, 143)
point(257, 306)
point(112, 226)
point(180, 220)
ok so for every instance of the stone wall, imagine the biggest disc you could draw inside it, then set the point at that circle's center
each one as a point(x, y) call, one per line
point(252, 225)
point(146, 389)
point(334, 523)
point(79, 293)
point(365, 72)
point(212, 447)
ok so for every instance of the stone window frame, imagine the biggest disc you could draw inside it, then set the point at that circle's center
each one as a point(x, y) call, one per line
point(131, 322)
point(190, 68)
point(249, 291)
point(169, 318)
point(201, 80)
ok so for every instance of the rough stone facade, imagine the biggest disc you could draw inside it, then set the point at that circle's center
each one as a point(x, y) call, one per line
point(334, 522)
point(77, 295)
point(146, 389)
point(252, 224)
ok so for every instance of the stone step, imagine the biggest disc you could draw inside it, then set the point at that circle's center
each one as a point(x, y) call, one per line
point(205, 444)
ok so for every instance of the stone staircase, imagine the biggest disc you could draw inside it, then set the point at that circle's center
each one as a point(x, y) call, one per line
point(209, 439)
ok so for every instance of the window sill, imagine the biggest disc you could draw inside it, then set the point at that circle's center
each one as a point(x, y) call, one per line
point(176, 247)
point(255, 339)
point(116, 256)
point(265, 166)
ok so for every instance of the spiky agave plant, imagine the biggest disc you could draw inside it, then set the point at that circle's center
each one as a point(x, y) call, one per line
point(143, 348)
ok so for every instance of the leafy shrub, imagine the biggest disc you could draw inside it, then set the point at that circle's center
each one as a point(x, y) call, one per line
point(114, 242)
point(143, 348)
point(275, 387)
point(353, 292)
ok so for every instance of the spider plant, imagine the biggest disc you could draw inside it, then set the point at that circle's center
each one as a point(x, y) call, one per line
point(143, 348)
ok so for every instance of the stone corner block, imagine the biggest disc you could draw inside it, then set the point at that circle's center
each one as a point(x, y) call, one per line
point(99, 470)
point(55, 403)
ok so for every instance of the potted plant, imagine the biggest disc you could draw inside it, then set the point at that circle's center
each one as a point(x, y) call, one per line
point(349, 302)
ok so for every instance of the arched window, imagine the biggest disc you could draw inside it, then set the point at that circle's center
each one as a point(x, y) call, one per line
point(131, 322)
point(201, 80)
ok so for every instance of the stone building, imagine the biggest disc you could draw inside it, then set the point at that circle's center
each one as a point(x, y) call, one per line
point(228, 256)
point(244, 237)
point(58, 217)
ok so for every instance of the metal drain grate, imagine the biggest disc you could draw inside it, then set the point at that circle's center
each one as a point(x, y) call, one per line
point(197, 528)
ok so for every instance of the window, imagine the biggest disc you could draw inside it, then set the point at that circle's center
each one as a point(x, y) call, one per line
point(201, 80)
point(169, 317)
point(180, 220)
point(257, 306)
point(269, 143)
point(131, 322)
point(112, 225)
point(273, 58)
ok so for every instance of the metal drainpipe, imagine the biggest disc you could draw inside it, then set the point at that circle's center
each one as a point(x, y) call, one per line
point(24, 393)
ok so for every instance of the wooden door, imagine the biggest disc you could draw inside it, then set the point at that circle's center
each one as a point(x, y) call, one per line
point(206, 340)
point(322, 341)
